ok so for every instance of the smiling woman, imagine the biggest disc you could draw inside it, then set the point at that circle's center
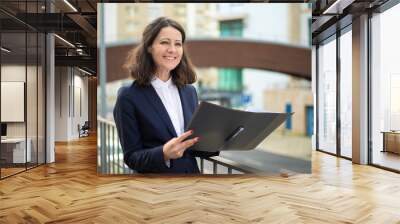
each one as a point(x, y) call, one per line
point(166, 51)
point(161, 52)
point(151, 114)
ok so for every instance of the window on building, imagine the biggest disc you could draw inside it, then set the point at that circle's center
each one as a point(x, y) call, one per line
point(231, 79)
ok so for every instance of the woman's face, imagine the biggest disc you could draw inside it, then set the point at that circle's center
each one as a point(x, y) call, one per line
point(167, 49)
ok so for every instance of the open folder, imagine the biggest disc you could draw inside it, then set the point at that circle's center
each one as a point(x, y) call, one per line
point(221, 128)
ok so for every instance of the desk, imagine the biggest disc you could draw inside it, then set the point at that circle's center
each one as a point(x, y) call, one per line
point(391, 141)
point(13, 150)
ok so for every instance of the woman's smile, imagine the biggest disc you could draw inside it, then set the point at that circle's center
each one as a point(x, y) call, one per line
point(169, 58)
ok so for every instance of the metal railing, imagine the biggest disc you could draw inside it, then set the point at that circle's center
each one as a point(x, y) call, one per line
point(110, 155)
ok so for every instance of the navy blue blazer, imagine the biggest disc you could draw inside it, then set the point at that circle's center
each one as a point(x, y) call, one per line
point(144, 126)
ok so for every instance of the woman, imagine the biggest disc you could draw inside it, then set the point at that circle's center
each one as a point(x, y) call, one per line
point(151, 114)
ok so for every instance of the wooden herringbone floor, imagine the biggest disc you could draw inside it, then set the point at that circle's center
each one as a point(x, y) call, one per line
point(70, 191)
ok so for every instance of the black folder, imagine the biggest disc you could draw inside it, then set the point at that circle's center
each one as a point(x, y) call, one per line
point(220, 128)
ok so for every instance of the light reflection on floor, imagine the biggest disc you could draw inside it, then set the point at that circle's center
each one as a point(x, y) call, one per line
point(386, 159)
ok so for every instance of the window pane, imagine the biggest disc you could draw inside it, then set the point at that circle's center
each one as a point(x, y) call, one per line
point(327, 97)
point(14, 153)
point(31, 97)
point(386, 89)
point(345, 94)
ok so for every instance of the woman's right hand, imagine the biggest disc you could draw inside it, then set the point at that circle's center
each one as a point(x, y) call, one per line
point(175, 147)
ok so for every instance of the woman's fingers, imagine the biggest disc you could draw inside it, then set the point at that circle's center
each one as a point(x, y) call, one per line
point(184, 136)
point(177, 146)
point(181, 147)
point(188, 143)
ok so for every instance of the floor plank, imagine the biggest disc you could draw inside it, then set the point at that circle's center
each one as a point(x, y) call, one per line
point(70, 191)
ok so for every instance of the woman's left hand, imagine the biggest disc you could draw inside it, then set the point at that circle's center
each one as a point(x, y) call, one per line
point(175, 147)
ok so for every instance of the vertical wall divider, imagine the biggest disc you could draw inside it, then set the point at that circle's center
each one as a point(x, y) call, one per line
point(369, 96)
point(73, 94)
point(317, 97)
point(60, 91)
point(26, 88)
point(37, 91)
point(338, 98)
point(37, 95)
point(44, 77)
point(45, 94)
point(1, 165)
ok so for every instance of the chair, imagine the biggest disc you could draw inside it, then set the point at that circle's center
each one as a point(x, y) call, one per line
point(84, 130)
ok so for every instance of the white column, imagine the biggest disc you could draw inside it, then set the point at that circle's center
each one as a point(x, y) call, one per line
point(360, 90)
point(50, 99)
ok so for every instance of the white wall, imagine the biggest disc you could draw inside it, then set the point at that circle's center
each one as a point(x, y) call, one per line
point(14, 73)
point(71, 94)
point(33, 125)
point(61, 103)
point(80, 100)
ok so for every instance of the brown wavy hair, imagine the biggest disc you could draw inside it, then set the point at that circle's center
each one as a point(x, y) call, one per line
point(140, 63)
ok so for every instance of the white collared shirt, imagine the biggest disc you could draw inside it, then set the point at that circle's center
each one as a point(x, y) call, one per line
point(169, 95)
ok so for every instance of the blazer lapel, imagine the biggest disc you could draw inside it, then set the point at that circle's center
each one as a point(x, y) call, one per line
point(155, 100)
point(185, 107)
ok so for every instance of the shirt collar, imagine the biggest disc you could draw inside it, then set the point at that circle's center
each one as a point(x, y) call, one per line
point(158, 83)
